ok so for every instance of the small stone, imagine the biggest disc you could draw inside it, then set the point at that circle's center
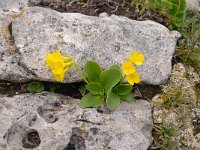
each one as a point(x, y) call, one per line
point(157, 115)
point(103, 15)
point(172, 119)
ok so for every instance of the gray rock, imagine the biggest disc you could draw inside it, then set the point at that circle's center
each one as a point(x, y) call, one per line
point(49, 121)
point(10, 68)
point(110, 40)
point(193, 4)
point(12, 5)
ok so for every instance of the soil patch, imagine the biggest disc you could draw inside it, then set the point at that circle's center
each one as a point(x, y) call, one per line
point(11, 89)
point(145, 91)
point(96, 7)
point(74, 90)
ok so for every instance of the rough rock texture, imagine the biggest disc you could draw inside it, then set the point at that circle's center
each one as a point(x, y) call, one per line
point(193, 4)
point(110, 40)
point(12, 5)
point(9, 57)
point(49, 121)
point(180, 103)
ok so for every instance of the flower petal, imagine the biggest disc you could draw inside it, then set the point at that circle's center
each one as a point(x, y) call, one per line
point(59, 73)
point(133, 78)
point(137, 58)
point(58, 64)
point(128, 67)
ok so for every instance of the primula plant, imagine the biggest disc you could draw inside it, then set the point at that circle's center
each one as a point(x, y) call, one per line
point(102, 85)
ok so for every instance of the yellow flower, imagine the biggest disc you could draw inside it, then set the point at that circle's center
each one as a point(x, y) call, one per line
point(55, 57)
point(58, 64)
point(59, 73)
point(128, 67)
point(137, 58)
point(133, 78)
point(59, 70)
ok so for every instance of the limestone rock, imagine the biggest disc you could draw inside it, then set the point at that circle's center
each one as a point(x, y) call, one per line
point(12, 5)
point(49, 121)
point(193, 4)
point(108, 41)
point(10, 68)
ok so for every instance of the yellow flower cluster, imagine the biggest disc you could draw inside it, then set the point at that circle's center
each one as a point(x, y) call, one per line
point(58, 64)
point(129, 69)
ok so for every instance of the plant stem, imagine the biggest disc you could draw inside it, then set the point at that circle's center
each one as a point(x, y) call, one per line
point(80, 73)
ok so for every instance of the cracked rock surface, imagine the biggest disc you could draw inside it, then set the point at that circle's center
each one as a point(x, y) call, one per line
point(49, 121)
point(38, 31)
point(10, 68)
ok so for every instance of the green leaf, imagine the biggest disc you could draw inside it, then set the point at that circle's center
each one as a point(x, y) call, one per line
point(113, 101)
point(115, 67)
point(128, 98)
point(95, 88)
point(181, 15)
point(150, 5)
point(167, 4)
point(188, 21)
point(92, 71)
point(90, 100)
point(110, 78)
point(122, 89)
point(174, 10)
point(118, 67)
point(178, 8)
point(82, 89)
point(52, 88)
point(176, 2)
point(182, 5)
point(35, 87)
point(195, 31)
point(168, 131)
